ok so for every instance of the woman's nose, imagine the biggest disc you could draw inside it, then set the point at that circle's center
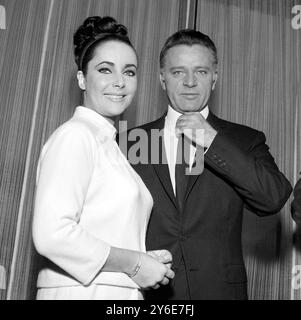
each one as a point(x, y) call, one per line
point(119, 81)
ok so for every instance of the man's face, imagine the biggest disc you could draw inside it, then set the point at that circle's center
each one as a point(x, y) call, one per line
point(188, 76)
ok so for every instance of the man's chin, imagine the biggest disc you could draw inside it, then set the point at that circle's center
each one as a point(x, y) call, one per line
point(190, 108)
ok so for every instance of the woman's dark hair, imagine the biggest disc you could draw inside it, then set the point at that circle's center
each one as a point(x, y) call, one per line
point(93, 31)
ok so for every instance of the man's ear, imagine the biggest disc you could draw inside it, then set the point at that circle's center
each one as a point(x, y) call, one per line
point(215, 76)
point(81, 80)
point(162, 80)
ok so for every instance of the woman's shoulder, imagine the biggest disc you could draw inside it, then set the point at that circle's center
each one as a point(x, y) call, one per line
point(72, 135)
point(75, 129)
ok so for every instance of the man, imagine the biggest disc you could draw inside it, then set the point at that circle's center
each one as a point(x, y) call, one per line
point(296, 204)
point(202, 227)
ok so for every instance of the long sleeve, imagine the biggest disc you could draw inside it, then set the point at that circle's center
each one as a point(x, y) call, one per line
point(252, 172)
point(296, 204)
point(65, 169)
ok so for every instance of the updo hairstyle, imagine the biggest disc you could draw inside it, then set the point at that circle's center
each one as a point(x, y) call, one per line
point(93, 31)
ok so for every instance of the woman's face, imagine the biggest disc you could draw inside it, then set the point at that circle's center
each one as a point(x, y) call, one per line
point(111, 80)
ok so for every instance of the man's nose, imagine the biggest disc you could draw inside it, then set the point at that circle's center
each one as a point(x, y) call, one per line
point(190, 80)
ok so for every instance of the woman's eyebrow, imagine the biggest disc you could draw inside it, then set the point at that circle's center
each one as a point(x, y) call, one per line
point(130, 65)
point(105, 62)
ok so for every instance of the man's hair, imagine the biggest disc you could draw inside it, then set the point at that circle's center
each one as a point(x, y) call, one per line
point(188, 37)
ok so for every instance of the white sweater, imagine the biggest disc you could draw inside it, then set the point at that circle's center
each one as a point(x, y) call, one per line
point(88, 199)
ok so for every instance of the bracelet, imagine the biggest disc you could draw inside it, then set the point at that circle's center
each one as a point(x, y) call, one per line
point(137, 268)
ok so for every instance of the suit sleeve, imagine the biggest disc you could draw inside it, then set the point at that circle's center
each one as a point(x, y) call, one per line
point(64, 173)
point(296, 204)
point(252, 172)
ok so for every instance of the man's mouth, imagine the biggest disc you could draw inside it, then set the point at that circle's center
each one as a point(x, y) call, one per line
point(190, 96)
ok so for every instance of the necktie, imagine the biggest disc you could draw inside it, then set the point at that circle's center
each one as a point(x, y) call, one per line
point(181, 178)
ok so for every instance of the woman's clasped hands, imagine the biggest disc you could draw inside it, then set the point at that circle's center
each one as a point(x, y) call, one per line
point(155, 269)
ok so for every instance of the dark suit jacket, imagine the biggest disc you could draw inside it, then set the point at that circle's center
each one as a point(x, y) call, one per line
point(296, 204)
point(206, 236)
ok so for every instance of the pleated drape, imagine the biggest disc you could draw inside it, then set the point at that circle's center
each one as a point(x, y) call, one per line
point(20, 59)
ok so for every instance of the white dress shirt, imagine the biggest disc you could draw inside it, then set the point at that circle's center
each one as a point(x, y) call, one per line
point(171, 141)
point(88, 199)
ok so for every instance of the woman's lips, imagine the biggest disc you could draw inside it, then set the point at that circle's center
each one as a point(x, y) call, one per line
point(115, 97)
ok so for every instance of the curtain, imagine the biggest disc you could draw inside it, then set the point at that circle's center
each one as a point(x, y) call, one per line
point(20, 58)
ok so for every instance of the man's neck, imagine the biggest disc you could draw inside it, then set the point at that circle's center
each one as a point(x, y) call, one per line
point(173, 115)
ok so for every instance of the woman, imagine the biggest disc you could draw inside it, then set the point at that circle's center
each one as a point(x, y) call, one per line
point(91, 208)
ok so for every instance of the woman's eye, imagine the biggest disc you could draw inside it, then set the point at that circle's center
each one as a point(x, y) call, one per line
point(104, 70)
point(130, 73)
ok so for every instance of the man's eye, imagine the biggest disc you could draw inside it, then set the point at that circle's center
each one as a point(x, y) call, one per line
point(104, 70)
point(202, 72)
point(177, 72)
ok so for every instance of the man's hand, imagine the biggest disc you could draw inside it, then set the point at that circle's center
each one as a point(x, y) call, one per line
point(196, 128)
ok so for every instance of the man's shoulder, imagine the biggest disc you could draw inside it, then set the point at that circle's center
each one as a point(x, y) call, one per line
point(237, 129)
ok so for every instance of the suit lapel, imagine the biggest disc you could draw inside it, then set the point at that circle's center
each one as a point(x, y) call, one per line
point(161, 168)
point(217, 125)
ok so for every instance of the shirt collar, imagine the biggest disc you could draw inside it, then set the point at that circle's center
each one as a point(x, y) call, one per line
point(103, 126)
point(173, 115)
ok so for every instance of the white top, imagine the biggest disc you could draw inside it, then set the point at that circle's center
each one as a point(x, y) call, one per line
point(88, 198)
point(171, 141)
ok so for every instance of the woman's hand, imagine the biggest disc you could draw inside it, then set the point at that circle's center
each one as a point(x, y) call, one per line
point(152, 272)
point(163, 256)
